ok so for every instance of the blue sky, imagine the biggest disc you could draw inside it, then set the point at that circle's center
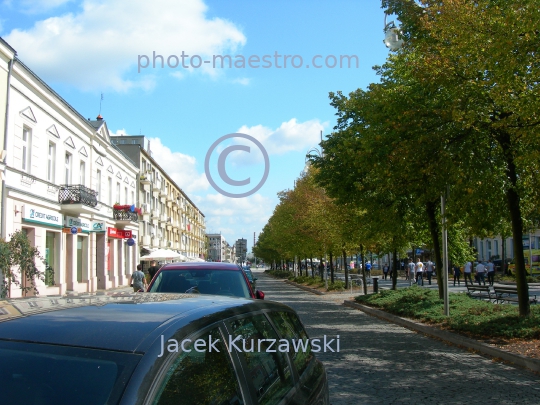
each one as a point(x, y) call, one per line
point(85, 48)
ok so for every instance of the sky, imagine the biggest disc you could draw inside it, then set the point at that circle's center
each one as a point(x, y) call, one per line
point(285, 59)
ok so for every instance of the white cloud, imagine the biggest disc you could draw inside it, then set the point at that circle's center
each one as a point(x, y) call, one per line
point(290, 136)
point(96, 47)
point(120, 132)
point(180, 167)
point(244, 81)
point(236, 217)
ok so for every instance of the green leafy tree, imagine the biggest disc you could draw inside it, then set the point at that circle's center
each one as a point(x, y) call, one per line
point(18, 265)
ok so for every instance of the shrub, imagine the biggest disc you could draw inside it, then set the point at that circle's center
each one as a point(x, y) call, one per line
point(279, 273)
point(471, 316)
point(337, 285)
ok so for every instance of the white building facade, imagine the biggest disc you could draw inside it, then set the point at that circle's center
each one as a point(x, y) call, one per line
point(62, 178)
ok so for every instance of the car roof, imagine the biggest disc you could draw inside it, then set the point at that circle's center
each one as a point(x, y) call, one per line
point(118, 322)
point(200, 266)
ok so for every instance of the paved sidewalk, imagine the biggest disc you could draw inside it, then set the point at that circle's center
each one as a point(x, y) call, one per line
point(382, 363)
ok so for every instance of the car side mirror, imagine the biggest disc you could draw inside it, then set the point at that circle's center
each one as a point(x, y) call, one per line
point(259, 294)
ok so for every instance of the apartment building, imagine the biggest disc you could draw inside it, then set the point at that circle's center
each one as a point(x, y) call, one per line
point(66, 187)
point(241, 249)
point(217, 247)
point(170, 219)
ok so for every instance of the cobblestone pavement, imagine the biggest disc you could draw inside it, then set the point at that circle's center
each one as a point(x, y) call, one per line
point(382, 363)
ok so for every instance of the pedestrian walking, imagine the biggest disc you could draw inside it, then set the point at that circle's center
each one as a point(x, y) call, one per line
point(457, 275)
point(152, 270)
point(429, 270)
point(490, 267)
point(138, 280)
point(481, 273)
point(368, 269)
point(411, 271)
point(385, 270)
point(419, 268)
point(467, 269)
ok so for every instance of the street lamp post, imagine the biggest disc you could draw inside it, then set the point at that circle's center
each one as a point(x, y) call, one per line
point(393, 41)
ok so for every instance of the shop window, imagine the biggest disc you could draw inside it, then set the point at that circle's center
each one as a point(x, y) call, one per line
point(50, 258)
point(82, 251)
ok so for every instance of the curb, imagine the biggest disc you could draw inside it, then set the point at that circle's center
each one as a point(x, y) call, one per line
point(311, 290)
point(517, 359)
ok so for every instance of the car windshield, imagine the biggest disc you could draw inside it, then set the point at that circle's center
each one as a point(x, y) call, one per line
point(218, 282)
point(33, 374)
point(249, 274)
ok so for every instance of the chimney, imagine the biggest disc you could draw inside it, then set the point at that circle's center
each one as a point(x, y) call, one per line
point(99, 118)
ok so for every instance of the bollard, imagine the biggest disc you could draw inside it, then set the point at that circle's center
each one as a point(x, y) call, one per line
point(375, 284)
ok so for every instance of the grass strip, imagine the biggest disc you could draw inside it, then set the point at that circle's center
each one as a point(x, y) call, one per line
point(472, 316)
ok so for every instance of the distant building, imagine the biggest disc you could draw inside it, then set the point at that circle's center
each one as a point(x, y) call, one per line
point(170, 219)
point(216, 247)
point(241, 249)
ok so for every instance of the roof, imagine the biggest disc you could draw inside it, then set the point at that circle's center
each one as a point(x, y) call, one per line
point(121, 322)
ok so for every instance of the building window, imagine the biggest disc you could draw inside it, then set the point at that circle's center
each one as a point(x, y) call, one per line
point(98, 183)
point(82, 173)
point(126, 196)
point(67, 175)
point(133, 197)
point(26, 146)
point(109, 180)
point(118, 193)
point(51, 162)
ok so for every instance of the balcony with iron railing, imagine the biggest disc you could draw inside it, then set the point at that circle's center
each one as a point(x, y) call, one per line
point(125, 216)
point(77, 198)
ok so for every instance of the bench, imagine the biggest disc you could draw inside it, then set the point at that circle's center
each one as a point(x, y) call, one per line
point(509, 294)
point(480, 291)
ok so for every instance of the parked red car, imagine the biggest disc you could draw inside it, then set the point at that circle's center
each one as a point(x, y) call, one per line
point(203, 278)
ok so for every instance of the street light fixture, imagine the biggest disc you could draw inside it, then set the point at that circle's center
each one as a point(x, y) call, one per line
point(392, 35)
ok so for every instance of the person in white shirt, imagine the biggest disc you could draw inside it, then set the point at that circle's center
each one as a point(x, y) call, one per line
point(419, 271)
point(411, 268)
point(429, 270)
point(490, 272)
point(467, 268)
point(481, 273)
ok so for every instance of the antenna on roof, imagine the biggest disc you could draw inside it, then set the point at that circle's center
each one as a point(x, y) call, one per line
point(100, 101)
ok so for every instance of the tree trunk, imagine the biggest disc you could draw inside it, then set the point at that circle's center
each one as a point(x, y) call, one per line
point(503, 253)
point(363, 269)
point(331, 269)
point(312, 270)
point(513, 201)
point(321, 268)
point(345, 269)
point(394, 270)
point(431, 208)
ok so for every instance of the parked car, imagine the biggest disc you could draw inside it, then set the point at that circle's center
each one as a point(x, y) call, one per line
point(252, 279)
point(144, 348)
point(203, 278)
